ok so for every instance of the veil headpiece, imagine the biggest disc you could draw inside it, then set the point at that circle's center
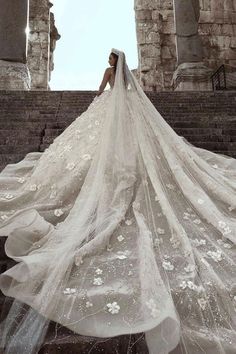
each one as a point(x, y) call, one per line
point(122, 70)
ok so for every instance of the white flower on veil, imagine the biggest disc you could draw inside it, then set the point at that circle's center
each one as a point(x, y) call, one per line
point(215, 255)
point(120, 238)
point(167, 265)
point(8, 196)
point(4, 217)
point(70, 166)
point(153, 307)
point(98, 281)
point(113, 307)
point(58, 212)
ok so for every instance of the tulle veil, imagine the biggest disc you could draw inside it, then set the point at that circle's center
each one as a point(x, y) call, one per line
point(137, 156)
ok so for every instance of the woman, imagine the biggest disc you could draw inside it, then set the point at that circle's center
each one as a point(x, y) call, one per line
point(122, 227)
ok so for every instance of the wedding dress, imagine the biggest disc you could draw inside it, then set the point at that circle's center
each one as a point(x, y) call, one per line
point(121, 226)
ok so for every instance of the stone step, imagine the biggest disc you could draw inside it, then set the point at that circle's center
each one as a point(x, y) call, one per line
point(199, 124)
point(20, 132)
point(210, 138)
point(228, 153)
point(22, 149)
point(20, 140)
point(11, 157)
point(19, 125)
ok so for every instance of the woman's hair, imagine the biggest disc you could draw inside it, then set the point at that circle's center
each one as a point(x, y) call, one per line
point(116, 57)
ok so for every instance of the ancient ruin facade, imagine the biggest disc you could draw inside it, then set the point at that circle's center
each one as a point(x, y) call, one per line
point(14, 73)
point(27, 41)
point(181, 42)
point(42, 39)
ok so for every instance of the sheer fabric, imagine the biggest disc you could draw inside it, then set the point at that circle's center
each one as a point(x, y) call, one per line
point(119, 227)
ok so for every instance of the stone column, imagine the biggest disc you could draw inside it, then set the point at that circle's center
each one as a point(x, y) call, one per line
point(191, 73)
point(14, 74)
point(42, 41)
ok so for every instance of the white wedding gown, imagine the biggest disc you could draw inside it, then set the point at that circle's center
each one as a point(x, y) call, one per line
point(121, 226)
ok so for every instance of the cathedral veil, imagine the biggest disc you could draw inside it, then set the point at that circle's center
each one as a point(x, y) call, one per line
point(150, 205)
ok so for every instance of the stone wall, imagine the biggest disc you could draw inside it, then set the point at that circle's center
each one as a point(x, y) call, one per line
point(155, 27)
point(218, 32)
point(42, 38)
point(14, 74)
point(156, 43)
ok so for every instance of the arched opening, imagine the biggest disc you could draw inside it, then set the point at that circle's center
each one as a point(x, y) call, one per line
point(89, 30)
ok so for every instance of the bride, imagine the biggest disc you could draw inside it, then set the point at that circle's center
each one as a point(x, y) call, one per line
point(121, 226)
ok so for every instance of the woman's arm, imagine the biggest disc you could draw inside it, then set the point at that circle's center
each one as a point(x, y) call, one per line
point(104, 82)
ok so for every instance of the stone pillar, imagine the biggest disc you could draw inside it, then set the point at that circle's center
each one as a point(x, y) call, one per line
point(191, 73)
point(14, 74)
point(42, 42)
point(54, 37)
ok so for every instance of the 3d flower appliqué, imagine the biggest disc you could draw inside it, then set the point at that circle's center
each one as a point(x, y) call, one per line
point(98, 281)
point(109, 248)
point(58, 212)
point(225, 227)
point(120, 238)
point(200, 201)
point(4, 217)
point(224, 244)
point(67, 148)
point(198, 242)
point(129, 222)
point(88, 304)
point(158, 241)
point(98, 271)
point(53, 194)
point(197, 221)
point(70, 166)
point(21, 180)
point(33, 187)
point(167, 265)
point(122, 254)
point(69, 291)
point(8, 196)
point(153, 307)
point(174, 242)
point(86, 157)
point(113, 307)
point(170, 186)
point(215, 255)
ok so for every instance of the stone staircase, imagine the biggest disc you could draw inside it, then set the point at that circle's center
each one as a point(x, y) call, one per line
point(29, 121)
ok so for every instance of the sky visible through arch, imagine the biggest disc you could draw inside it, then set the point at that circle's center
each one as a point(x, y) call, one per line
point(89, 29)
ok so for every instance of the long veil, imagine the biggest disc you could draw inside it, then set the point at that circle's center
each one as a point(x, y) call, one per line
point(148, 244)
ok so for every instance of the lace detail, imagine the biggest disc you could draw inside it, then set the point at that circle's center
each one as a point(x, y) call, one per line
point(123, 223)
